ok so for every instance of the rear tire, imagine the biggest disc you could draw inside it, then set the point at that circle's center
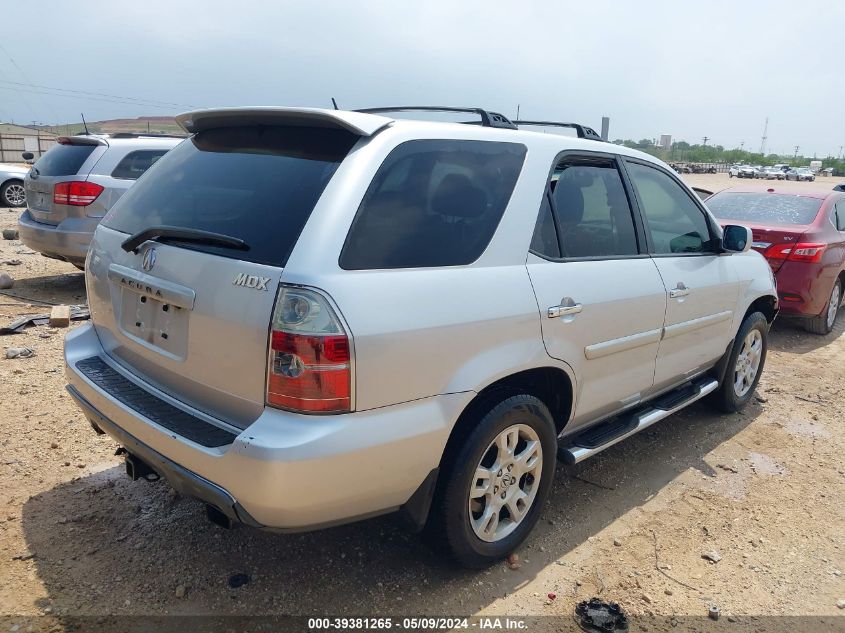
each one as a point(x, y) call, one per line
point(823, 323)
point(493, 484)
point(745, 365)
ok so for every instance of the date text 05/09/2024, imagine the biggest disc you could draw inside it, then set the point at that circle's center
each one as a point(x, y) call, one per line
point(417, 623)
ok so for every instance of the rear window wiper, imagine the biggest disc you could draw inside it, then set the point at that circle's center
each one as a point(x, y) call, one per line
point(182, 234)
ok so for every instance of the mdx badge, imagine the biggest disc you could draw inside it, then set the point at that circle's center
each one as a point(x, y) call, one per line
point(251, 281)
point(149, 259)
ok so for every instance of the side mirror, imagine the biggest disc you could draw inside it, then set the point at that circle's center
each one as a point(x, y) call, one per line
point(27, 156)
point(736, 239)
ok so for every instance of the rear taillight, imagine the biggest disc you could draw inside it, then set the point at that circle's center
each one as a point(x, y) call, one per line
point(310, 362)
point(801, 252)
point(77, 193)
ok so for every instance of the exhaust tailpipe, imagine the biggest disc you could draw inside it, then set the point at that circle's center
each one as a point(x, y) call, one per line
point(139, 469)
point(216, 516)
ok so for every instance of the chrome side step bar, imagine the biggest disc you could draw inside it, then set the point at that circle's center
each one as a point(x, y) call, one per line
point(575, 454)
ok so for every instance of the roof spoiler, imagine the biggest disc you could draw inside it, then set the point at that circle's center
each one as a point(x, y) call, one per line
point(355, 122)
point(144, 135)
point(81, 139)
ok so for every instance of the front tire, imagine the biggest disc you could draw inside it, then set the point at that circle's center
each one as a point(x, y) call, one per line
point(745, 364)
point(494, 483)
point(823, 323)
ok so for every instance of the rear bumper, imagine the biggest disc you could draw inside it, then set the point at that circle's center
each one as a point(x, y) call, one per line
point(285, 471)
point(183, 480)
point(68, 240)
point(804, 288)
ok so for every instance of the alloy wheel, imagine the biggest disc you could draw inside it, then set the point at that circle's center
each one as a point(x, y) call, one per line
point(505, 483)
point(748, 362)
point(833, 306)
point(15, 195)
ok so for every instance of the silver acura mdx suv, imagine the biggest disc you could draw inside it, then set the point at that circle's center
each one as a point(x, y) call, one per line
point(306, 317)
point(73, 185)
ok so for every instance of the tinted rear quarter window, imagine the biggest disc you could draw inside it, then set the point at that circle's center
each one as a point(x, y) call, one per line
point(766, 208)
point(136, 163)
point(258, 184)
point(63, 160)
point(433, 203)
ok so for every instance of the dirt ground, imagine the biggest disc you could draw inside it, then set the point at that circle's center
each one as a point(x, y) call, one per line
point(763, 489)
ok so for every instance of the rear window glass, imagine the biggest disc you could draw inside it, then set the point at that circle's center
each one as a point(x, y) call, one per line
point(258, 184)
point(136, 163)
point(766, 208)
point(63, 160)
point(433, 203)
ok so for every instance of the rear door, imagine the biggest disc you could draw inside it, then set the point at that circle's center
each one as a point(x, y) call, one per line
point(702, 288)
point(600, 295)
point(190, 318)
point(70, 159)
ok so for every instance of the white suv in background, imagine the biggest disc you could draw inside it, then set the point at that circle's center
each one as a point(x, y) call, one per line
point(306, 317)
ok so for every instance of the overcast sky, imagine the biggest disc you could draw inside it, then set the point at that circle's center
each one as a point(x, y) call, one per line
point(688, 69)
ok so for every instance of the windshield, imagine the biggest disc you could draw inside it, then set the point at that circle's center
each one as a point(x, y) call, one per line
point(256, 184)
point(764, 208)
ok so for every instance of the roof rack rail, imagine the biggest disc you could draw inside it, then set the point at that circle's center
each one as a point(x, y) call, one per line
point(582, 130)
point(488, 119)
point(142, 134)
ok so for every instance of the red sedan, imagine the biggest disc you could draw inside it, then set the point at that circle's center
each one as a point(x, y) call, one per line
point(802, 235)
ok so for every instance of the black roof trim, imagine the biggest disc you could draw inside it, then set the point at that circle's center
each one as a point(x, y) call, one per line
point(488, 119)
point(582, 130)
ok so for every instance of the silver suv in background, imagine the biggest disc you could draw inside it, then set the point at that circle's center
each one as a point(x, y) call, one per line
point(306, 317)
point(71, 188)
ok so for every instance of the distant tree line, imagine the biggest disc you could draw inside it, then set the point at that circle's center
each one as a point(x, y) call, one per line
point(683, 152)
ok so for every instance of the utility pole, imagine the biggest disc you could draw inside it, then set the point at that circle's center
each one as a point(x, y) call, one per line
point(796, 152)
point(705, 139)
point(765, 132)
point(742, 146)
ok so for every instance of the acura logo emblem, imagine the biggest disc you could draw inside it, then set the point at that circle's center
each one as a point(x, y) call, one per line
point(149, 259)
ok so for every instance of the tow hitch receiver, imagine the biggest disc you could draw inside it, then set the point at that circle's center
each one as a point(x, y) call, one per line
point(138, 469)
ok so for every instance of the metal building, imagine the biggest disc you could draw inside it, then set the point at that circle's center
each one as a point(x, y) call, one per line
point(15, 139)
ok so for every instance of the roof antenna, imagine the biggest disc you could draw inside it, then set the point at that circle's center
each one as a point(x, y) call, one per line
point(334, 103)
point(517, 112)
point(87, 133)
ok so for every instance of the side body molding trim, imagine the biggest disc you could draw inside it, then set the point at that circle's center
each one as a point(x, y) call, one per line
point(606, 348)
point(696, 324)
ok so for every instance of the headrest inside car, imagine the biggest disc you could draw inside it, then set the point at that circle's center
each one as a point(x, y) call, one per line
point(569, 202)
point(456, 196)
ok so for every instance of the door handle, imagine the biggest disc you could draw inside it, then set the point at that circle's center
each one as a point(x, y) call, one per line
point(567, 307)
point(679, 291)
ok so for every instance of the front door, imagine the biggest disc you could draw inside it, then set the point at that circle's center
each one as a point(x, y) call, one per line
point(601, 298)
point(701, 285)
